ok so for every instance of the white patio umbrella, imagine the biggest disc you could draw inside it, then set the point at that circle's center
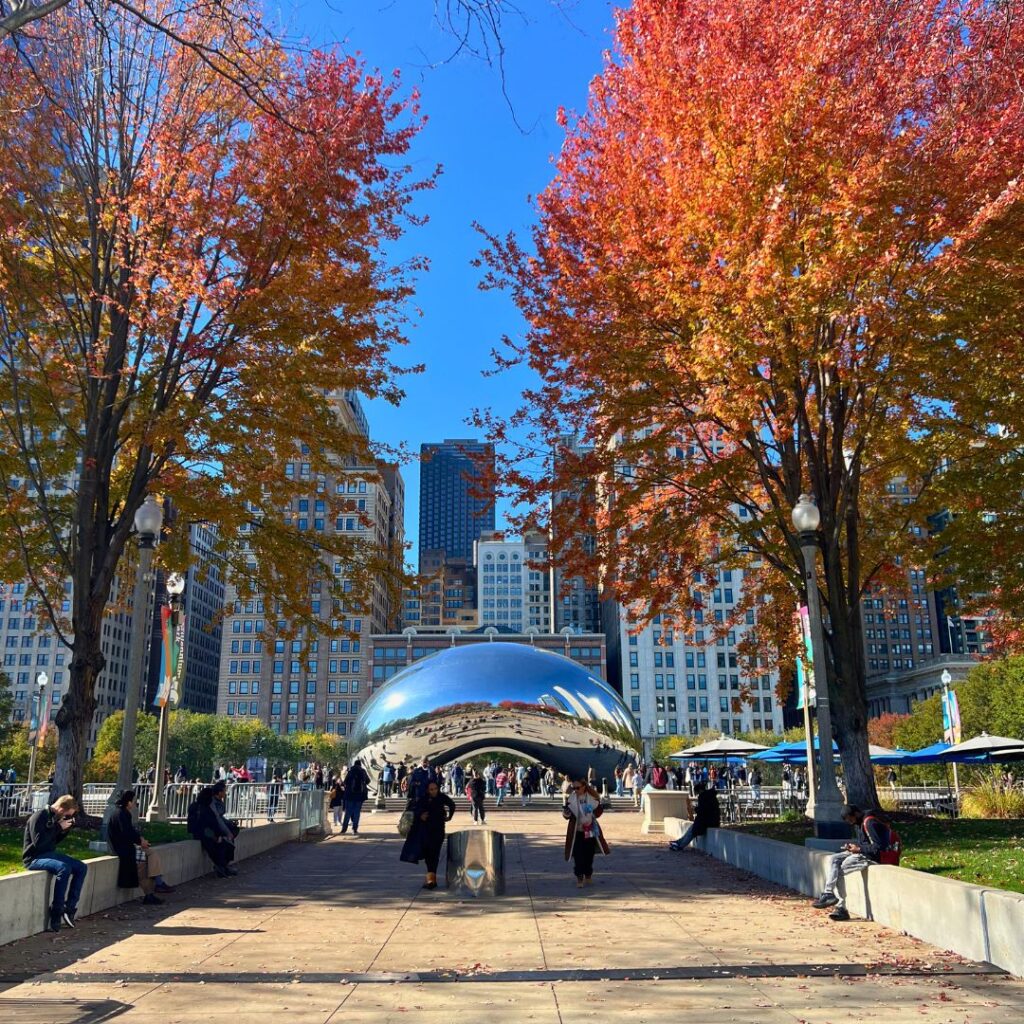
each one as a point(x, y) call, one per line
point(720, 748)
point(995, 747)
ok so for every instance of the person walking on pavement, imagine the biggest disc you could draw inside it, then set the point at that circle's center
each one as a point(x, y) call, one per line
point(357, 790)
point(501, 782)
point(421, 775)
point(43, 831)
point(583, 834)
point(431, 812)
point(336, 801)
point(477, 791)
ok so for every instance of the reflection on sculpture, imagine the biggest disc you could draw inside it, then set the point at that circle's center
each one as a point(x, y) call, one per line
point(497, 696)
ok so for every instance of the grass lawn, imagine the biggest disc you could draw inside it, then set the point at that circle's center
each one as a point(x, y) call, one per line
point(983, 851)
point(77, 843)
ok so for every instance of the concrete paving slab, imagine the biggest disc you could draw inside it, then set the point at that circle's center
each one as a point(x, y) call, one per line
point(341, 931)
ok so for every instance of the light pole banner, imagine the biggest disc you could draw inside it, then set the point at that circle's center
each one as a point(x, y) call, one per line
point(33, 723)
point(950, 717)
point(44, 720)
point(805, 661)
point(172, 657)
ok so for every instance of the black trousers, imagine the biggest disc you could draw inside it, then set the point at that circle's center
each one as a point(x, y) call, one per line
point(220, 853)
point(478, 809)
point(432, 852)
point(583, 851)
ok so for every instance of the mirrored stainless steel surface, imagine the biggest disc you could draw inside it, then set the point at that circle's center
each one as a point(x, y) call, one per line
point(476, 863)
point(497, 696)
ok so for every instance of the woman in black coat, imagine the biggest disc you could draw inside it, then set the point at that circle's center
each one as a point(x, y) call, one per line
point(426, 837)
point(124, 838)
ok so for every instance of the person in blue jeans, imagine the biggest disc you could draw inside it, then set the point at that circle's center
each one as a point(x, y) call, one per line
point(44, 830)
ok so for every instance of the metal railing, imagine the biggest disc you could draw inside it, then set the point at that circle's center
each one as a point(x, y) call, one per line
point(245, 802)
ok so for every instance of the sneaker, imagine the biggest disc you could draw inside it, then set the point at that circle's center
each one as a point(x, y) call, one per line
point(840, 914)
point(152, 901)
point(674, 845)
point(53, 923)
point(164, 888)
point(68, 917)
point(826, 899)
point(230, 870)
point(221, 872)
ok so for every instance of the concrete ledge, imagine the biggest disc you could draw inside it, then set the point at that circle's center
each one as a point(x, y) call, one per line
point(977, 923)
point(25, 897)
point(661, 803)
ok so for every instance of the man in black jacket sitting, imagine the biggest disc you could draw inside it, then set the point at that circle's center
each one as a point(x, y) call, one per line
point(873, 837)
point(708, 815)
point(44, 830)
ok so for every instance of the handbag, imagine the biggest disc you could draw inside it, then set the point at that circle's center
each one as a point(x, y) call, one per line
point(405, 824)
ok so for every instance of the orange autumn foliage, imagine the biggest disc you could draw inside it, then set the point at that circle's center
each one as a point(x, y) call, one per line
point(191, 279)
point(756, 274)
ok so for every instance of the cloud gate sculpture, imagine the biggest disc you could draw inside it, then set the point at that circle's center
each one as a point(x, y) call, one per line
point(497, 696)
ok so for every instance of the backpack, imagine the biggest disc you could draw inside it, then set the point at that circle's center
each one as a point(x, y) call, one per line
point(658, 778)
point(193, 820)
point(891, 853)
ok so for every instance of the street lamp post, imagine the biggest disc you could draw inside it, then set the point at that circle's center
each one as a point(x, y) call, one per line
point(149, 521)
point(828, 803)
point(39, 698)
point(157, 811)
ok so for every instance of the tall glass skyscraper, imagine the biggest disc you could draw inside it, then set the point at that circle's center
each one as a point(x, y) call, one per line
point(454, 506)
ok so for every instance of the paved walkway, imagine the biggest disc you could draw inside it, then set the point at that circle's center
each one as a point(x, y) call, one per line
point(341, 931)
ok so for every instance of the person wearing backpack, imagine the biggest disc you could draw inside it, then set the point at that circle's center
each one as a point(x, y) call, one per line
point(877, 843)
point(659, 777)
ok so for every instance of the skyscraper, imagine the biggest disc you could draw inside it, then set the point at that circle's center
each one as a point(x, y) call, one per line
point(456, 505)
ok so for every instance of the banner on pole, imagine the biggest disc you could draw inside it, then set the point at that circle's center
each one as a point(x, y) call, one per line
point(805, 661)
point(33, 723)
point(951, 731)
point(44, 720)
point(172, 658)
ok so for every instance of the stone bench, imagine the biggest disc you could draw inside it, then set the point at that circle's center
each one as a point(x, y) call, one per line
point(976, 922)
point(25, 896)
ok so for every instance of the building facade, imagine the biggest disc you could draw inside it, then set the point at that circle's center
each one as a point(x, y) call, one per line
point(316, 679)
point(390, 653)
point(575, 600)
point(447, 595)
point(679, 684)
point(452, 514)
point(512, 582)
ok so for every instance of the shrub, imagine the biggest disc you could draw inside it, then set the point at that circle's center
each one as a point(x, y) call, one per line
point(990, 800)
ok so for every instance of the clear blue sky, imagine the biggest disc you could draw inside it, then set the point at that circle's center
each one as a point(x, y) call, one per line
point(490, 166)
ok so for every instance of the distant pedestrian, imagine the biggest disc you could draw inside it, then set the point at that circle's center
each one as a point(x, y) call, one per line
point(477, 792)
point(357, 790)
point(431, 812)
point(336, 801)
point(755, 783)
point(501, 782)
point(421, 775)
point(388, 777)
point(43, 831)
point(893, 779)
point(583, 835)
point(274, 795)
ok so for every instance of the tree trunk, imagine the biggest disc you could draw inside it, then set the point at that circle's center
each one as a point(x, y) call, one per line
point(849, 701)
point(75, 716)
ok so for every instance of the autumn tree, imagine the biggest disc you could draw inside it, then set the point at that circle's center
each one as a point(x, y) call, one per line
point(190, 285)
point(780, 245)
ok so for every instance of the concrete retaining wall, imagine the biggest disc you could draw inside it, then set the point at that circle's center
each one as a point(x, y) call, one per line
point(25, 897)
point(978, 923)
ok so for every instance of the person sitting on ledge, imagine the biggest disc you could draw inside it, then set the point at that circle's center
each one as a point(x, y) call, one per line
point(874, 838)
point(43, 831)
point(708, 815)
point(138, 865)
